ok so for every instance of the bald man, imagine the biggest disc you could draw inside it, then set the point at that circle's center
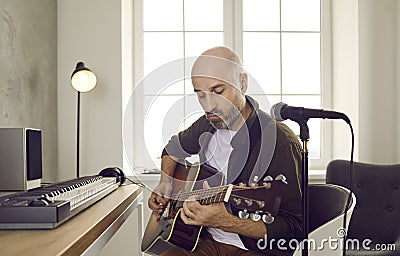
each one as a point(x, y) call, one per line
point(245, 144)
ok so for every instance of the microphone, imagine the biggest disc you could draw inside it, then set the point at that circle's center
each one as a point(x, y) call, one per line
point(281, 111)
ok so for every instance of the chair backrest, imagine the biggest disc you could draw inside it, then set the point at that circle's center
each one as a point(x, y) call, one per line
point(327, 204)
point(377, 188)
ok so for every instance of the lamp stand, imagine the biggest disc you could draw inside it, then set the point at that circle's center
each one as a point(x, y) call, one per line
point(77, 133)
point(82, 80)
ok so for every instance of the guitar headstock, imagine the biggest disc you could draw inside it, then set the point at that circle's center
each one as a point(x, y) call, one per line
point(259, 201)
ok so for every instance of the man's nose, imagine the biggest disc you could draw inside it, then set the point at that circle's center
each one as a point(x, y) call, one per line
point(209, 102)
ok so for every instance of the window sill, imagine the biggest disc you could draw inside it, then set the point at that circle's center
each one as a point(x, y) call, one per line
point(316, 176)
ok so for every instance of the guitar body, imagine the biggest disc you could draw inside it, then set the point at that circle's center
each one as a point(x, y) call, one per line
point(171, 231)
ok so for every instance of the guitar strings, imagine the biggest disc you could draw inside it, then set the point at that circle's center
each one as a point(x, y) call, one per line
point(209, 193)
point(201, 191)
point(210, 201)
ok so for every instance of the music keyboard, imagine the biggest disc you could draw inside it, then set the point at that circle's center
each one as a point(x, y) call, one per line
point(51, 205)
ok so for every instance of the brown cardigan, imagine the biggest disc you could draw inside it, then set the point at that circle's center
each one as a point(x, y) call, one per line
point(261, 147)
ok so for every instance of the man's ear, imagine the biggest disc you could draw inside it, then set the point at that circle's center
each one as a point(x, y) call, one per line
point(243, 82)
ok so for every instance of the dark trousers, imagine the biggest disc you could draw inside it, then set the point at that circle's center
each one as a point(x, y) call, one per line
point(207, 246)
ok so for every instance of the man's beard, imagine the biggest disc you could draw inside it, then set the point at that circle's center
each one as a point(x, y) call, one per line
point(227, 122)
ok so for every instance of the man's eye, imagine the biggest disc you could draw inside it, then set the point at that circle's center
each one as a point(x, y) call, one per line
point(219, 91)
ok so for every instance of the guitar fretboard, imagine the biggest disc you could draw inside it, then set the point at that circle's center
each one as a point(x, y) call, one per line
point(204, 196)
point(212, 195)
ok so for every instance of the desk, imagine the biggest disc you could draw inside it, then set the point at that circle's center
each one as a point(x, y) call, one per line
point(84, 234)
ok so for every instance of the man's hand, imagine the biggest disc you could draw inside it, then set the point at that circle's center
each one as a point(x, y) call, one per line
point(214, 215)
point(159, 198)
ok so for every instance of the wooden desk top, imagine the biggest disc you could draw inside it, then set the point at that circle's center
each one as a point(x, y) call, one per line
point(78, 234)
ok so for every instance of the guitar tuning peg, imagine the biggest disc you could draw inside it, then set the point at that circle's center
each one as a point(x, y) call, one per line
point(267, 185)
point(267, 181)
point(261, 204)
point(282, 178)
point(268, 218)
point(243, 214)
point(249, 202)
point(238, 201)
point(241, 184)
point(255, 179)
point(252, 184)
point(268, 178)
point(255, 216)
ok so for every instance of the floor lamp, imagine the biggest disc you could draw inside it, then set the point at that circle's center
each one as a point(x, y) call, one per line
point(82, 80)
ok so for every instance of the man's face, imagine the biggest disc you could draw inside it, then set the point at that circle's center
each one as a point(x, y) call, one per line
point(221, 101)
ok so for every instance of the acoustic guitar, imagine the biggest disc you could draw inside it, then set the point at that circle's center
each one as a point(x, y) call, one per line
point(258, 202)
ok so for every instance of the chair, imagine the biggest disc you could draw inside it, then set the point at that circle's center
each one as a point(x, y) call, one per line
point(327, 204)
point(377, 212)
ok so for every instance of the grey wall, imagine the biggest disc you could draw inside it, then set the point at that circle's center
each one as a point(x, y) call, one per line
point(28, 72)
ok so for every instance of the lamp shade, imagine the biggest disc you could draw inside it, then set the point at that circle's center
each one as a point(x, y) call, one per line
point(83, 79)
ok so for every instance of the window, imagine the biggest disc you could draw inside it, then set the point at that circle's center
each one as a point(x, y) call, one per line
point(283, 45)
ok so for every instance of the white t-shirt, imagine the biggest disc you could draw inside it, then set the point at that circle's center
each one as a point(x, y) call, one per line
point(217, 155)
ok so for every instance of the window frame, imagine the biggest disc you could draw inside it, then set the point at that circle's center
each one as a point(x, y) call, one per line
point(232, 33)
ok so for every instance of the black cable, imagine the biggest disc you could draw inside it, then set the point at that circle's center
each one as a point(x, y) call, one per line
point(140, 184)
point(135, 183)
point(349, 198)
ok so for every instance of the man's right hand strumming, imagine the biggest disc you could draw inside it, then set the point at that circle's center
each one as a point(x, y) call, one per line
point(160, 196)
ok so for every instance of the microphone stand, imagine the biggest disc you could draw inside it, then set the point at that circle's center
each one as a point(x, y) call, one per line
point(282, 111)
point(304, 136)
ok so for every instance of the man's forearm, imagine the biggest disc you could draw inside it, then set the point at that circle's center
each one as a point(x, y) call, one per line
point(245, 227)
point(168, 165)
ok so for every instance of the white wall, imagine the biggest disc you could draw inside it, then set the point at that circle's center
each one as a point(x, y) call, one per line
point(90, 31)
point(377, 33)
point(98, 32)
point(345, 75)
point(398, 81)
point(365, 72)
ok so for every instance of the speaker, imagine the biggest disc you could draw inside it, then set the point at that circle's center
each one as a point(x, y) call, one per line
point(114, 172)
point(20, 158)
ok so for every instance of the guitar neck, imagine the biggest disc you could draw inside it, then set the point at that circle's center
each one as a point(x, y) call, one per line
point(206, 196)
